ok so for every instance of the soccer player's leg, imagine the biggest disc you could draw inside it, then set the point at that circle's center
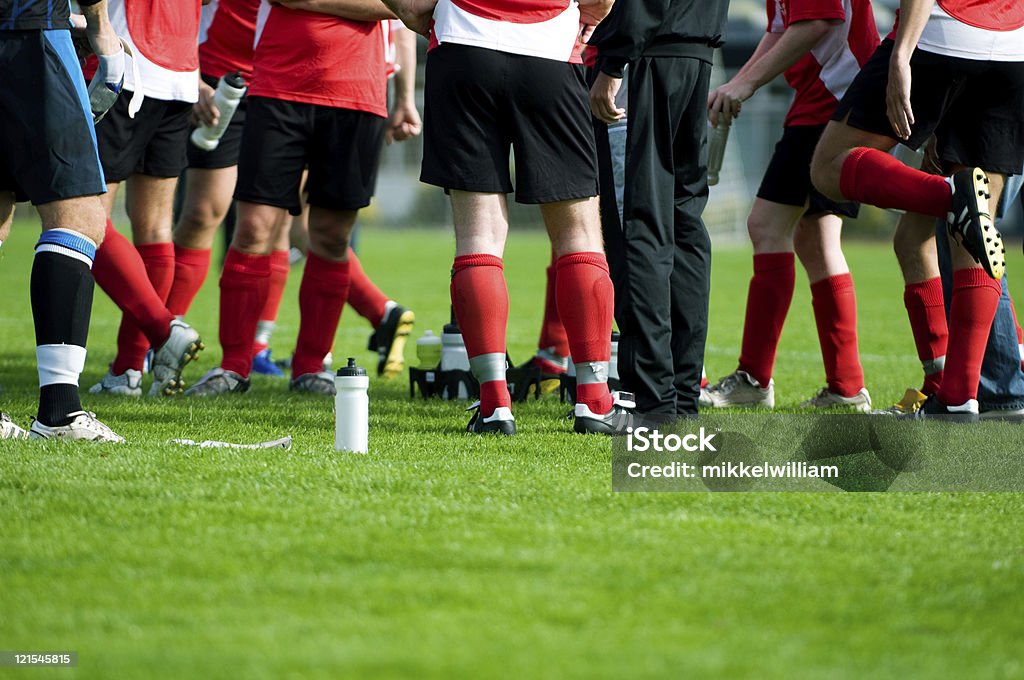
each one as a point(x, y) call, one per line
point(280, 266)
point(923, 297)
point(585, 297)
point(207, 201)
point(50, 158)
point(770, 225)
point(817, 243)
point(480, 299)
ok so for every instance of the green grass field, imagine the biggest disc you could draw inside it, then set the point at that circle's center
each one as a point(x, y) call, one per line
point(443, 555)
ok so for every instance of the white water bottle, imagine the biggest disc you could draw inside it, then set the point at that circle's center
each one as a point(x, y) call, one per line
point(351, 409)
point(428, 350)
point(229, 93)
point(454, 356)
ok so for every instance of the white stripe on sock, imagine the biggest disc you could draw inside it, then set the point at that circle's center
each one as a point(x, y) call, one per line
point(488, 367)
point(61, 250)
point(591, 372)
point(59, 364)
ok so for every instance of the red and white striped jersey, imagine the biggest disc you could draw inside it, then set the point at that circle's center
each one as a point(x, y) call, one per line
point(317, 58)
point(227, 36)
point(991, 15)
point(822, 76)
point(164, 39)
point(548, 29)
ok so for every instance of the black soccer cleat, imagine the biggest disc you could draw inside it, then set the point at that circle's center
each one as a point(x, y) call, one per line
point(970, 221)
point(389, 339)
point(499, 422)
point(934, 409)
point(616, 422)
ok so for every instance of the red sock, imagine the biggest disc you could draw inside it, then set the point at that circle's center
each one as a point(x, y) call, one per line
point(768, 300)
point(121, 273)
point(552, 332)
point(927, 311)
point(586, 301)
point(244, 284)
point(132, 344)
point(191, 266)
point(322, 296)
point(363, 296)
point(280, 265)
point(835, 313)
point(480, 298)
point(972, 309)
point(874, 177)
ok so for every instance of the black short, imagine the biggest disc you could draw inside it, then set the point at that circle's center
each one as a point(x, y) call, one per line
point(152, 143)
point(479, 103)
point(341, 148)
point(973, 107)
point(46, 135)
point(226, 153)
point(787, 180)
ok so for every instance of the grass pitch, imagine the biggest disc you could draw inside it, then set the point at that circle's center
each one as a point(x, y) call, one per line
point(443, 555)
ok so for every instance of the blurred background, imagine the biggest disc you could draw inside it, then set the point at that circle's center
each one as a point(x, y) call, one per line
point(403, 201)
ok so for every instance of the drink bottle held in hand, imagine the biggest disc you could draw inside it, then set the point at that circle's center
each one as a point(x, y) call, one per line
point(718, 137)
point(351, 409)
point(229, 93)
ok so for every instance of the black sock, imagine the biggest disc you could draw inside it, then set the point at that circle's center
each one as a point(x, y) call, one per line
point(62, 288)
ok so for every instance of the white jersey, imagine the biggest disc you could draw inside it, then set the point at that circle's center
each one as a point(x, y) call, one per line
point(164, 39)
point(947, 35)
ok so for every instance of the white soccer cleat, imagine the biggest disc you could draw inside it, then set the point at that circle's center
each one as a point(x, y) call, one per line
point(828, 399)
point(738, 389)
point(10, 430)
point(128, 384)
point(618, 420)
point(182, 346)
point(84, 427)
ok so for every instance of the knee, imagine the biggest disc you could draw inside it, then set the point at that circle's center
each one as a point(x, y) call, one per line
point(329, 246)
point(826, 167)
point(329, 233)
point(253, 236)
point(764, 234)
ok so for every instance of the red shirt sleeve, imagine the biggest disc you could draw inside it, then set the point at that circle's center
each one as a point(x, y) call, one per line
point(807, 10)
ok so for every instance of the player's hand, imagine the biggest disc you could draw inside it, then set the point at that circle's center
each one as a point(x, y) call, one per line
point(897, 97)
point(404, 124)
point(108, 82)
point(204, 111)
point(726, 101)
point(602, 98)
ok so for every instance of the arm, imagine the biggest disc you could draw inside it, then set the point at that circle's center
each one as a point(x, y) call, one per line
point(913, 18)
point(415, 14)
point(623, 37)
point(98, 29)
point(405, 118)
point(354, 10)
point(792, 46)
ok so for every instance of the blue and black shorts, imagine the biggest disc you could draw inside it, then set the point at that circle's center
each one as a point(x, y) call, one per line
point(47, 138)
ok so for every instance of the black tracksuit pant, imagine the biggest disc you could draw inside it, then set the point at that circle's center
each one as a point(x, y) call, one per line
point(662, 290)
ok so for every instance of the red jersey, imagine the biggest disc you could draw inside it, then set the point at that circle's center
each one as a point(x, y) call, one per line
point(822, 76)
point(316, 58)
point(227, 36)
point(991, 15)
point(549, 29)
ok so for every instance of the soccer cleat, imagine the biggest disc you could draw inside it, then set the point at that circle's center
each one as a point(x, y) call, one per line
point(217, 381)
point(616, 421)
point(314, 383)
point(825, 398)
point(388, 341)
point(264, 365)
point(934, 409)
point(83, 427)
point(128, 384)
point(9, 429)
point(911, 402)
point(182, 346)
point(499, 422)
point(738, 389)
point(970, 221)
